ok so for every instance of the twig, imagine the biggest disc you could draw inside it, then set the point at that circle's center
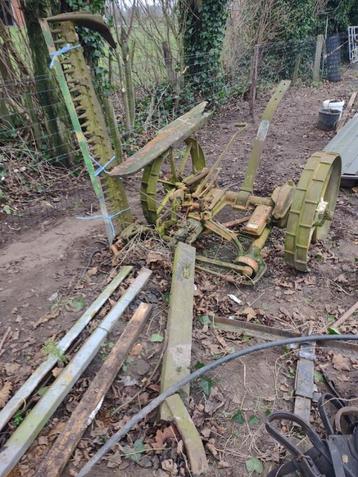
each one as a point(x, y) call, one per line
point(345, 316)
point(339, 287)
point(4, 338)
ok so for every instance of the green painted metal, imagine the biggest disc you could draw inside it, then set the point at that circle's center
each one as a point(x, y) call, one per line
point(76, 126)
point(168, 137)
point(87, 20)
point(313, 205)
point(259, 141)
point(151, 176)
point(88, 121)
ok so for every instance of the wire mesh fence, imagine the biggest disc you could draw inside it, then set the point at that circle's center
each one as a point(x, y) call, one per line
point(39, 151)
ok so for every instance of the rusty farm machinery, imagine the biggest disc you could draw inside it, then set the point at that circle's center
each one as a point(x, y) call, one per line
point(179, 194)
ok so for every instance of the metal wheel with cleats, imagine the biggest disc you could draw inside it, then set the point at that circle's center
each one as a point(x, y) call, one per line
point(313, 205)
point(165, 172)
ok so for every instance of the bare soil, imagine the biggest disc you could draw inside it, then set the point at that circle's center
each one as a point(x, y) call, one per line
point(46, 264)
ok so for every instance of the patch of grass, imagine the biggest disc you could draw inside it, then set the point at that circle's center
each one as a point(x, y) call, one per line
point(51, 349)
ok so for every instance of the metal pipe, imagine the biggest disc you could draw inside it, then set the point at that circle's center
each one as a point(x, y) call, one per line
point(25, 434)
point(37, 376)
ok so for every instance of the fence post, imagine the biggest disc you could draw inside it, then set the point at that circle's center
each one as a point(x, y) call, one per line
point(317, 58)
point(253, 79)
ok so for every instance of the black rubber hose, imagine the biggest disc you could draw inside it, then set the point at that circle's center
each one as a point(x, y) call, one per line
point(196, 374)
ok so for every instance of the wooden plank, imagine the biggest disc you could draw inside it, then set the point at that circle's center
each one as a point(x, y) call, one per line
point(177, 358)
point(170, 135)
point(304, 384)
point(317, 59)
point(16, 446)
point(23, 393)
point(191, 437)
point(91, 402)
point(344, 117)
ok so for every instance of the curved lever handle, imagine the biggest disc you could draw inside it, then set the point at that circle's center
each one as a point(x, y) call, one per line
point(88, 20)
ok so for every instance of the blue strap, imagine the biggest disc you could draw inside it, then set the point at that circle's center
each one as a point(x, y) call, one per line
point(106, 218)
point(61, 51)
point(101, 168)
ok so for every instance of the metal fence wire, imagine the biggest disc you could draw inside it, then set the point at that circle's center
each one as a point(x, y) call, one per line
point(38, 147)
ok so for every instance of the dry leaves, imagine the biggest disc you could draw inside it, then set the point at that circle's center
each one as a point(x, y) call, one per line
point(49, 316)
point(162, 437)
point(249, 312)
point(340, 362)
point(5, 392)
point(170, 466)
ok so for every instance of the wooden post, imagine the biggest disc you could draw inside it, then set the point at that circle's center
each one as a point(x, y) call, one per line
point(91, 402)
point(317, 59)
point(296, 68)
point(253, 80)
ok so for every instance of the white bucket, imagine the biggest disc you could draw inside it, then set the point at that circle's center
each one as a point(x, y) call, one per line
point(333, 104)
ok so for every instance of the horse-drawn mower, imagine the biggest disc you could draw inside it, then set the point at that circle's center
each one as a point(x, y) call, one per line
point(179, 193)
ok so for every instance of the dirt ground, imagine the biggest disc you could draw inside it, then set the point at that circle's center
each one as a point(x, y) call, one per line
point(53, 265)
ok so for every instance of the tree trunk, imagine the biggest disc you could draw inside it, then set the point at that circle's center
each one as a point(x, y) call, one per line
point(46, 88)
point(203, 27)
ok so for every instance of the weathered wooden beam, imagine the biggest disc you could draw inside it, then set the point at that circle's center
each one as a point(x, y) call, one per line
point(191, 437)
point(269, 333)
point(175, 132)
point(304, 383)
point(30, 428)
point(38, 375)
point(177, 358)
point(91, 402)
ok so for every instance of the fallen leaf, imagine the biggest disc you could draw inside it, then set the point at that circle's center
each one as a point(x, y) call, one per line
point(249, 312)
point(135, 452)
point(56, 371)
point(253, 420)
point(92, 271)
point(76, 304)
point(341, 363)
point(5, 393)
point(254, 465)
point(214, 402)
point(162, 436)
point(341, 278)
point(129, 381)
point(205, 432)
point(211, 448)
point(238, 417)
point(156, 338)
point(206, 384)
point(136, 350)
point(170, 466)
